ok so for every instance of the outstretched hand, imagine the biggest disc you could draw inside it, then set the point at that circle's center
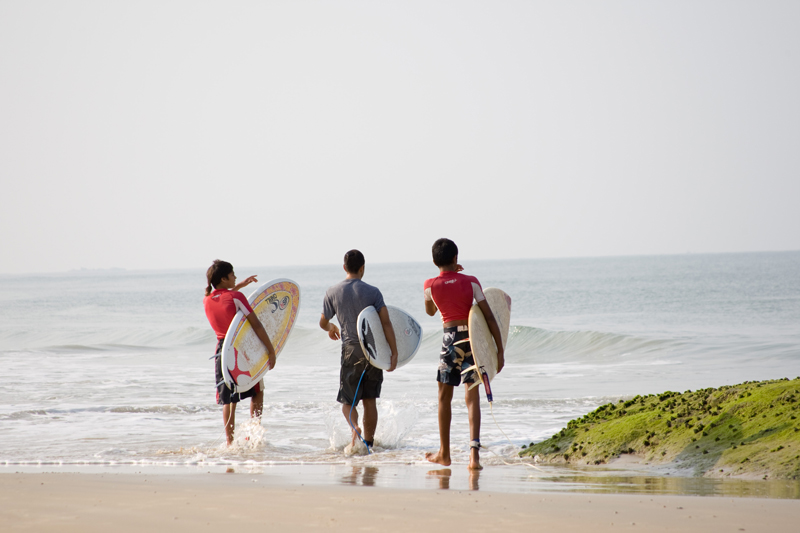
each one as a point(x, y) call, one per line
point(245, 283)
point(459, 268)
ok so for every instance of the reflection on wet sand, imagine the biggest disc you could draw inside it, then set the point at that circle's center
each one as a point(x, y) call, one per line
point(474, 476)
point(361, 475)
point(517, 480)
point(443, 475)
point(695, 486)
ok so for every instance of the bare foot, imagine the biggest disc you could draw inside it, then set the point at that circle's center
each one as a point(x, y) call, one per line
point(356, 448)
point(356, 435)
point(474, 460)
point(438, 458)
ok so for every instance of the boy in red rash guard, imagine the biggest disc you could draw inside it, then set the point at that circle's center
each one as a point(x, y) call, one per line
point(452, 294)
point(221, 303)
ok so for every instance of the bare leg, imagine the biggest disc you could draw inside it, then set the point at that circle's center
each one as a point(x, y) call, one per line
point(442, 457)
point(370, 418)
point(229, 419)
point(257, 405)
point(473, 399)
point(353, 422)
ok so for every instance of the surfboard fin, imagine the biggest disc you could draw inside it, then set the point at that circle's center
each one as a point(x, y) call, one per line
point(480, 379)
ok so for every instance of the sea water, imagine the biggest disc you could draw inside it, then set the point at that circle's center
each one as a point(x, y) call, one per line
point(112, 368)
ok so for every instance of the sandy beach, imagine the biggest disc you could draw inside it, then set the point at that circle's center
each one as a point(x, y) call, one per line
point(68, 502)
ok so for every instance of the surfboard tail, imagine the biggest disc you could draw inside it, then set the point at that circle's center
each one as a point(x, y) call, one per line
point(475, 368)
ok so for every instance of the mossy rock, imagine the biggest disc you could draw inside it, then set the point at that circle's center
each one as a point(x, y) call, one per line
point(746, 430)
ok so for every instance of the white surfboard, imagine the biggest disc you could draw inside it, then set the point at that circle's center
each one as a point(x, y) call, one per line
point(484, 350)
point(407, 333)
point(244, 356)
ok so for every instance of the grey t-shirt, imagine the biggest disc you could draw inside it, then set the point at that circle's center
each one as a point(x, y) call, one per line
point(346, 300)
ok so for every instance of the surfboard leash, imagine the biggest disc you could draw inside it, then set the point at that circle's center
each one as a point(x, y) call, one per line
point(350, 414)
point(484, 379)
point(491, 411)
point(223, 435)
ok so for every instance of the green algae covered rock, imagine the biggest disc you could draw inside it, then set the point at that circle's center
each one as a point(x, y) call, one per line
point(746, 430)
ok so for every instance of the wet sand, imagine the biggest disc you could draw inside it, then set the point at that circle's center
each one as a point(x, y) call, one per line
point(67, 502)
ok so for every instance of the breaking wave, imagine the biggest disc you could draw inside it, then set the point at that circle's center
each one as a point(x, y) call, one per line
point(532, 344)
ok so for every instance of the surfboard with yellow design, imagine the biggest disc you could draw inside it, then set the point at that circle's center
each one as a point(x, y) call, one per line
point(244, 356)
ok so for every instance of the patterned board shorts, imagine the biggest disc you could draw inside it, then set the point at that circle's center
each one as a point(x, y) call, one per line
point(354, 362)
point(456, 353)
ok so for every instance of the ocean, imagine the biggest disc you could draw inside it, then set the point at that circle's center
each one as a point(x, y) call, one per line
point(109, 370)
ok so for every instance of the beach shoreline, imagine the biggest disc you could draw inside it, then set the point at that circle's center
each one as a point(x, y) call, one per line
point(68, 502)
point(625, 476)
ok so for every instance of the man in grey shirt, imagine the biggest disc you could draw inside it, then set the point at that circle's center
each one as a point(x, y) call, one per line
point(346, 300)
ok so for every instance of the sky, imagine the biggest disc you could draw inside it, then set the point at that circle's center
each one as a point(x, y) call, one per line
point(165, 134)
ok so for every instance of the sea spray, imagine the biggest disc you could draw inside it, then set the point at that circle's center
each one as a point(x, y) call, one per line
point(396, 419)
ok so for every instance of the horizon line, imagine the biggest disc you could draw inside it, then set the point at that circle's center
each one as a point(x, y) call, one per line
point(554, 258)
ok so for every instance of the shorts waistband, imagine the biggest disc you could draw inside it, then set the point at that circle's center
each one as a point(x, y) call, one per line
point(457, 328)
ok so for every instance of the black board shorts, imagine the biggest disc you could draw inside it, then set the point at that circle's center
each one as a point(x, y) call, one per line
point(354, 362)
point(224, 394)
point(456, 354)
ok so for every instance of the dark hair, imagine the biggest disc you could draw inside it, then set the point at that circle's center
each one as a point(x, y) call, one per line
point(444, 251)
point(353, 261)
point(218, 270)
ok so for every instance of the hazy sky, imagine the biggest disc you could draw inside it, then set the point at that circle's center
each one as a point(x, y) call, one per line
point(166, 134)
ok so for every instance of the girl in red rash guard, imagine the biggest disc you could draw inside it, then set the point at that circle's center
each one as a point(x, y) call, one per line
point(221, 303)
